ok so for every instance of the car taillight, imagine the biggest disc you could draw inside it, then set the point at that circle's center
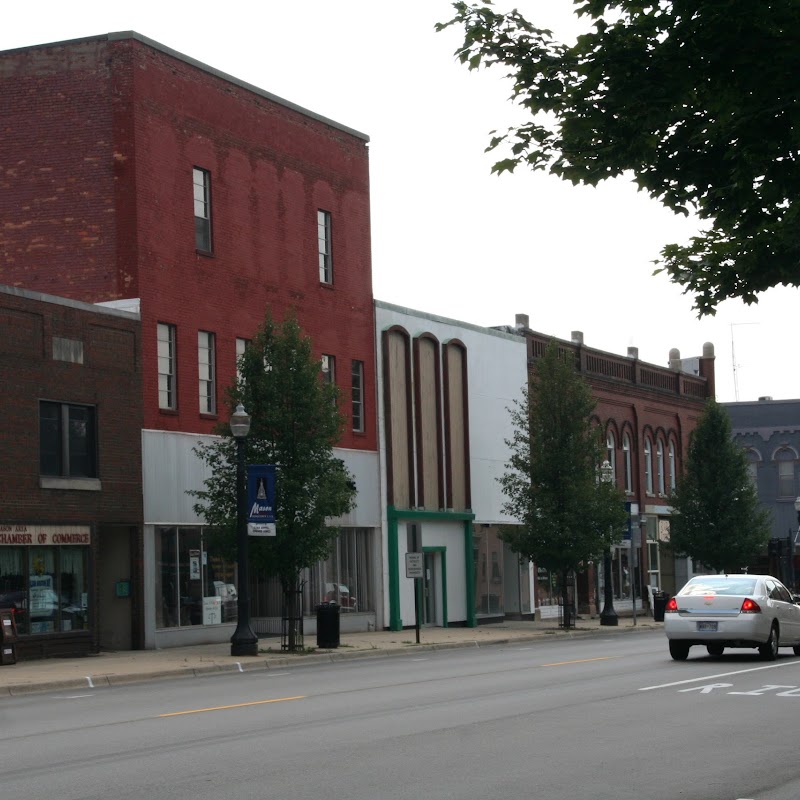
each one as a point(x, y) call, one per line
point(750, 607)
point(672, 605)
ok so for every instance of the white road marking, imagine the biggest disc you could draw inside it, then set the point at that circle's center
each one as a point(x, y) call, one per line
point(721, 675)
point(707, 689)
point(764, 689)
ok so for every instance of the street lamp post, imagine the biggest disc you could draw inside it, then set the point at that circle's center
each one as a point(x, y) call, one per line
point(244, 642)
point(607, 616)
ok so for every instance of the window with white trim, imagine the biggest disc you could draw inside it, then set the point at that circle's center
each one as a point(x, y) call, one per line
point(660, 467)
point(611, 454)
point(786, 482)
point(358, 395)
point(626, 454)
point(241, 346)
point(673, 468)
point(202, 209)
point(324, 246)
point(206, 370)
point(328, 367)
point(648, 466)
point(167, 397)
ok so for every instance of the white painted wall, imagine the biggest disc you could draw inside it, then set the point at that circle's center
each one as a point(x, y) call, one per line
point(170, 468)
point(497, 373)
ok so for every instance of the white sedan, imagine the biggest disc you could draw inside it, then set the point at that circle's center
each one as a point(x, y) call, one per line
point(720, 611)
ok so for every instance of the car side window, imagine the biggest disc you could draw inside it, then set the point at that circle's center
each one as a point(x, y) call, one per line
point(784, 594)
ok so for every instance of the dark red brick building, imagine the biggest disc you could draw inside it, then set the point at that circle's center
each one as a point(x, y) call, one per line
point(70, 474)
point(133, 174)
point(647, 413)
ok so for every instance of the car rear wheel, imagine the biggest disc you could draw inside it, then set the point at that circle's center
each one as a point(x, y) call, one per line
point(796, 649)
point(715, 650)
point(769, 650)
point(679, 650)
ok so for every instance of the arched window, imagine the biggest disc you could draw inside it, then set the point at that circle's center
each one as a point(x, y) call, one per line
point(786, 483)
point(611, 454)
point(673, 469)
point(752, 466)
point(660, 467)
point(626, 453)
point(648, 466)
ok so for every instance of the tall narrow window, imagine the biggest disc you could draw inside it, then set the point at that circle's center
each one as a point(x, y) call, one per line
point(166, 366)
point(358, 395)
point(324, 246)
point(786, 482)
point(67, 440)
point(328, 369)
point(626, 453)
point(202, 209)
point(660, 467)
point(673, 468)
point(648, 466)
point(241, 346)
point(205, 365)
point(611, 454)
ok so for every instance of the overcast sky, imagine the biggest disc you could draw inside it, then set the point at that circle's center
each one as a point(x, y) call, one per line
point(447, 236)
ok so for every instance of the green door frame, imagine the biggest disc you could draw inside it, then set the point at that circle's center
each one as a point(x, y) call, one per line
point(394, 516)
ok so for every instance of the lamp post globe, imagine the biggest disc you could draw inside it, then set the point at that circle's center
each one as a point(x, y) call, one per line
point(608, 616)
point(244, 641)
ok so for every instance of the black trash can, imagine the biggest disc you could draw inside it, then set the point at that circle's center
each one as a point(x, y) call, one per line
point(660, 600)
point(328, 625)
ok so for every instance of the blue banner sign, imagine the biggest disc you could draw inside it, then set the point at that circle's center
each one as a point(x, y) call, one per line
point(261, 500)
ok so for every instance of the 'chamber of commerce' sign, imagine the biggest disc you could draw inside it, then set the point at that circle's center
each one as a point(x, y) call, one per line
point(42, 535)
point(261, 500)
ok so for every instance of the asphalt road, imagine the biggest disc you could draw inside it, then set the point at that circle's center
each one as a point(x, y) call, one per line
point(609, 717)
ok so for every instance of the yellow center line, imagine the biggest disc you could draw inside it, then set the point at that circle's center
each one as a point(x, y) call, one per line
point(236, 705)
point(579, 661)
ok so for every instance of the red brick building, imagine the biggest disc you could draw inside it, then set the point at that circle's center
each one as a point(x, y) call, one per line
point(133, 174)
point(70, 474)
point(647, 413)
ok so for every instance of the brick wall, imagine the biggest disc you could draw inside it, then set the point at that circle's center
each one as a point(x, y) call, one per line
point(117, 124)
point(108, 379)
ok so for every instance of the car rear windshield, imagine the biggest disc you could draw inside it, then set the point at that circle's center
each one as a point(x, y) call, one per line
point(719, 584)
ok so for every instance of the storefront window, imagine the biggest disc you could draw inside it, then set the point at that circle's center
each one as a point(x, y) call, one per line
point(488, 562)
point(194, 585)
point(344, 578)
point(46, 588)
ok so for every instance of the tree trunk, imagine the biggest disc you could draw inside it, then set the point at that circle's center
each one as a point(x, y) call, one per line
point(293, 615)
point(565, 604)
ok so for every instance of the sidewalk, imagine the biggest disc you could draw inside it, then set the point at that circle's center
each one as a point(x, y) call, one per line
point(114, 668)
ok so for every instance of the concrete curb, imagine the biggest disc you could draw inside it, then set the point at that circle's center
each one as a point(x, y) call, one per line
point(272, 662)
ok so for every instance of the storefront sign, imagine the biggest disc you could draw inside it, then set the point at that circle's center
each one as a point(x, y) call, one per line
point(43, 535)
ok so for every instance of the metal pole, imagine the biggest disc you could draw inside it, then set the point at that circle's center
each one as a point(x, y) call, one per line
point(608, 616)
point(244, 641)
point(631, 557)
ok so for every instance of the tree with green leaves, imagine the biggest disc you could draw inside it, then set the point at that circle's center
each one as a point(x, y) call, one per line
point(295, 424)
point(567, 515)
point(717, 519)
point(697, 100)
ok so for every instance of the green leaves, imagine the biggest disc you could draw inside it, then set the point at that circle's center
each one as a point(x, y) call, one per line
point(295, 425)
point(717, 519)
point(697, 101)
point(567, 515)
